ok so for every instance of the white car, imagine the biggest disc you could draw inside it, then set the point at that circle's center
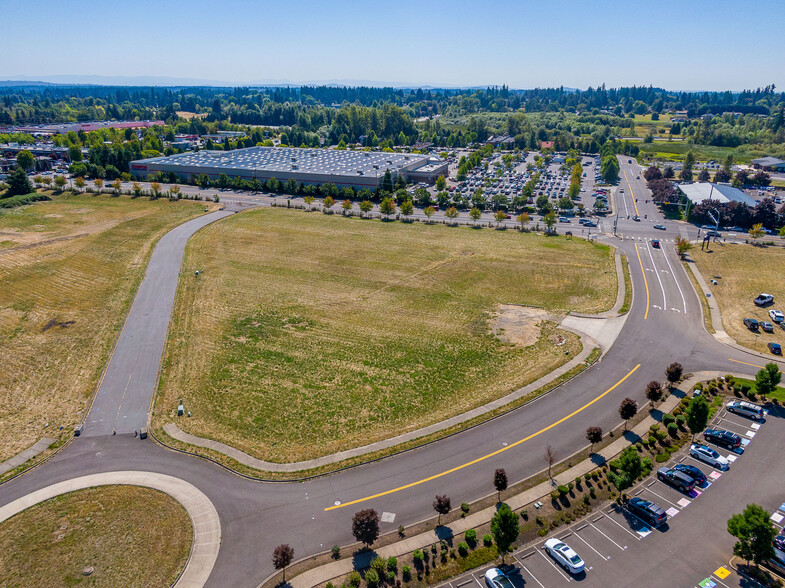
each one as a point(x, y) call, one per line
point(495, 578)
point(709, 456)
point(776, 316)
point(565, 556)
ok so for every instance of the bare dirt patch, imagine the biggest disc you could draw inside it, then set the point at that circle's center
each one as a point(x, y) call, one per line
point(519, 325)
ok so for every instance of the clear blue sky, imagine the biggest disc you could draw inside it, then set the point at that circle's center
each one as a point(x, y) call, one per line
point(685, 44)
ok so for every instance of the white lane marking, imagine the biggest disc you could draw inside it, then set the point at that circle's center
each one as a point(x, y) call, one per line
point(553, 565)
point(590, 547)
point(620, 527)
point(664, 299)
point(528, 572)
point(665, 499)
point(608, 538)
point(683, 300)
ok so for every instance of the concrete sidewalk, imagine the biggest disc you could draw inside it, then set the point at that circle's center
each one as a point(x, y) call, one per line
point(542, 491)
point(29, 453)
point(204, 516)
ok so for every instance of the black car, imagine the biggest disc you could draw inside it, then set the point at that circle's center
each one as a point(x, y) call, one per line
point(692, 472)
point(723, 438)
point(648, 511)
point(751, 324)
point(678, 480)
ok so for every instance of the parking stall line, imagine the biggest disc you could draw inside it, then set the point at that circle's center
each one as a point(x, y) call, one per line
point(608, 538)
point(553, 565)
point(590, 546)
point(528, 571)
point(659, 495)
point(630, 533)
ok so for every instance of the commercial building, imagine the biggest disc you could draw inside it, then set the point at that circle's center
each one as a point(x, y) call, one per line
point(769, 164)
point(63, 128)
point(355, 169)
point(723, 193)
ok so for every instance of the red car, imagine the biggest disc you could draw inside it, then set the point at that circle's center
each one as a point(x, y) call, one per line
point(656, 243)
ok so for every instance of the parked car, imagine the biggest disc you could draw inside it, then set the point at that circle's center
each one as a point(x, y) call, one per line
point(775, 348)
point(647, 510)
point(763, 299)
point(776, 316)
point(707, 455)
point(660, 227)
point(495, 578)
point(565, 556)
point(767, 326)
point(751, 324)
point(692, 472)
point(722, 437)
point(678, 480)
point(563, 219)
point(589, 224)
point(747, 409)
point(636, 218)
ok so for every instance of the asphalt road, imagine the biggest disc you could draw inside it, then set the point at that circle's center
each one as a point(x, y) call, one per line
point(664, 325)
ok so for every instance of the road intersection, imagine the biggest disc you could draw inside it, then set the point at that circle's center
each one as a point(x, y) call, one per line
point(664, 325)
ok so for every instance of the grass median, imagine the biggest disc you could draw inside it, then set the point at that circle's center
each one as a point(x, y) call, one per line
point(69, 269)
point(52, 543)
point(306, 334)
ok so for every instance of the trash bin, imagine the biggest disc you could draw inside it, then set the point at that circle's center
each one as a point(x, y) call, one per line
point(78, 430)
point(143, 434)
point(180, 410)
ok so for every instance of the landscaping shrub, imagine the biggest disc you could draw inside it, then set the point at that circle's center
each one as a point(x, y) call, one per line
point(555, 494)
point(463, 549)
point(379, 565)
point(372, 578)
point(487, 540)
point(667, 419)
point(586, 499)
point(592, 493)
point(392, 564)
point(542, 532)
point(336, 550)
point(525, 514)
point(681, 420)
point(465, 508)
point(418, 556)
point(471, 537)
point(587, 476)
point(354, 579)
point(406, 573)
point(662, 457)
point(539, 520)
point(562, 489)
point(673, 429)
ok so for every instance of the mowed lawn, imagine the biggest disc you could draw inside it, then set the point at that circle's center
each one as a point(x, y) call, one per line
point(305, 334)
point(68, 270)
point(129, 535)
point(745, 271)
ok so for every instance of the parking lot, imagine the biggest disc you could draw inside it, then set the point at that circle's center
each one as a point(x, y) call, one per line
point(613, 541)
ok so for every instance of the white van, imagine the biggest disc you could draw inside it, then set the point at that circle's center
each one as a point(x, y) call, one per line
point(747, 409)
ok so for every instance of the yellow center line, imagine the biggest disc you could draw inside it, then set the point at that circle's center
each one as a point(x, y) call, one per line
point(645, 283)
point(490, 455)
point(745, 363)
point(632, 194)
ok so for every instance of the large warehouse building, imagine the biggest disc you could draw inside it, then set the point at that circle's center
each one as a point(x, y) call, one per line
point(356, 169)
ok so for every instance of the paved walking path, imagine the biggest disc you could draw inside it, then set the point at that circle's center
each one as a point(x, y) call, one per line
point(341, 567)
point(204, 516)
point(23, 456)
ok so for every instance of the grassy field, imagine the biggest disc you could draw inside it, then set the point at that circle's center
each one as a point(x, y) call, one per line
point(644, 125)
point(68, 270)
point(745, 271)
point(675, 151)
point(306, 334)
point(778, 394)
point(131, 536)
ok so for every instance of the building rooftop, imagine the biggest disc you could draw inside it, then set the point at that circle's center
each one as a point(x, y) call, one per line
point(697, 193)
point(767, 161)
point(289, 159)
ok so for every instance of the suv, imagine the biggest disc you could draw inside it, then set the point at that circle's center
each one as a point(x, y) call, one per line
point(646, 510)
point(751, 324)
point(692, 472)
point(763, 299)
point(678, 480)
point(747, 409)
point(722, 438)
point(767, 326)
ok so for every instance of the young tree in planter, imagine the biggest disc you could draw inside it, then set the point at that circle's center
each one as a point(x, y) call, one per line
point(451, 213)
point(697, 415)
point(387, 207)
point(346, 205)
point(500, 217)
point(767, 379)
point(429, 212)
point(550, 457)
point(328, 203)
point(475, 214)
point(309, 200)
point(282, 557)
point(441, 504)
point(366, 206)
point(80, 183)
point(407, 209)
point(627, 409)
point(60, 182)
point(673, 373)
point(593, 435)
point(365, 526)
point(500, 481)
point(755, 534)
point(504, 528)
point(524, 219)
point(654, 391)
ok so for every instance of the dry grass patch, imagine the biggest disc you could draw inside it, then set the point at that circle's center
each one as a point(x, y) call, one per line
point(744, 272)
point(131, 536)
point(67, 281)
point(307, 334)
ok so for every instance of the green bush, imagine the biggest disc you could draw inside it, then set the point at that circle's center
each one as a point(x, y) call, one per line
point(22, 199)
point(662, 457)
point(487, 540)
point(471, 537)
point(525, 514)
point(418, 556)
point(379, 565)
point(681, 420)
point(463, 549)
point(354, 579)
point(586, 499)
point(465, 508)
point(673, 429)
point(587, 476)
point(555, 494)
point(667, 419)
point(372, 578)
point(391, 577)
point(392, 564)
point(542, 532)
point(336, 550)
point(562, 489)
point(406, 573)
point(592, 492)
